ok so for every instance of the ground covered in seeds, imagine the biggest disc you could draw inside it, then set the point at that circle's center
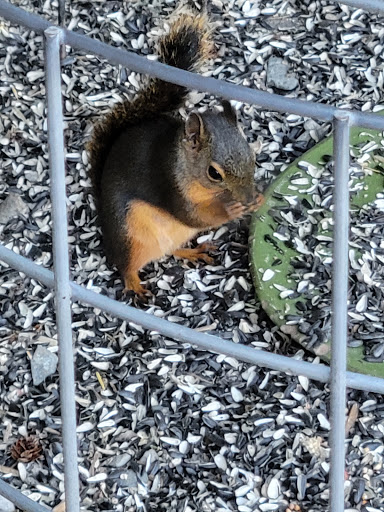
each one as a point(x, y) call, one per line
point(162, 426)
point(300, 234)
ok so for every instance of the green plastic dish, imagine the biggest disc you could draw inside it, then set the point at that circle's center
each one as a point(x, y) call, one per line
point(264, 253)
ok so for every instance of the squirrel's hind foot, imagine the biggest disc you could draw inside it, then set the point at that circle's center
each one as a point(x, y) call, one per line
point(132, 283)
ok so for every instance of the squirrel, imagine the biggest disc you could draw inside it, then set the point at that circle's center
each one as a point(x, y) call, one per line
point(159, 180)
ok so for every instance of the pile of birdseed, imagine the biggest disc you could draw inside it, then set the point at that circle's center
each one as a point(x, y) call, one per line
point(306, 225)
point(162, 426)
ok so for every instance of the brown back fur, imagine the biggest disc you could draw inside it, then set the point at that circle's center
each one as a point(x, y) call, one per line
point(186, 46)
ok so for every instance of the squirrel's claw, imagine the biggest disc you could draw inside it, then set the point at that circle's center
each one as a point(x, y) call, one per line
point(235, 210)
point(255, 205)
point(198, 253)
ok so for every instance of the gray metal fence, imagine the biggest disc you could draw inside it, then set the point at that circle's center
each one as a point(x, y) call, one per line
point(67, 291)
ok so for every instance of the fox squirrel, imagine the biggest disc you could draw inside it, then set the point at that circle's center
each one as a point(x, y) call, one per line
point(159, 180)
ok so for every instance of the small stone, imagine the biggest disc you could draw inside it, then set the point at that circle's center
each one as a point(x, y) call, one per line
point(121, 460)
point(129, 478)
point(12, 207)
point(43, 364)
point(6, 505)
point(278, 75)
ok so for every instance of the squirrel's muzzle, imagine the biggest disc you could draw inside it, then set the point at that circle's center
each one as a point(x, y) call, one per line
point(248, 196)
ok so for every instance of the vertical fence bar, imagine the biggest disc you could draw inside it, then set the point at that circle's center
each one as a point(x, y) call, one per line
point(61, 266)
point(339, 309)
point(61, 13)
point(61, 22)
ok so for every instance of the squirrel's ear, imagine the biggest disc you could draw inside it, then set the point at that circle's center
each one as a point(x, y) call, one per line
point(229, 112)
point(194, 131)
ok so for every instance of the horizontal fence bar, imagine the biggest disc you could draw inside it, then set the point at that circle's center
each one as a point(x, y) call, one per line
point(192, 80)
point(21, 17)
point(19, 499)
point(208, 342)
point(366, 5)
point(61, 265)
point(340, 312)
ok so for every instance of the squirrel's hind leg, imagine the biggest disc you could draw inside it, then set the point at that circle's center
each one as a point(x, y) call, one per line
point(152, 233)
point(140, 253)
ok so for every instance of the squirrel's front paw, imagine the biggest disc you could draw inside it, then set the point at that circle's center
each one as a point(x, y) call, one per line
point(256, 203)
point(235, 210)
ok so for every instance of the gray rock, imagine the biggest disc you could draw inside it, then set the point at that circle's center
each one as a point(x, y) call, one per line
point(121, 460)
point(278, 75)
point(43, 364)
point(6, 505)
point(285, 23)
point(129, 479)
point(12, 207)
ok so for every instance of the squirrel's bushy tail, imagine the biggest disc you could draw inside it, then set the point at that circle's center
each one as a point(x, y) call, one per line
point(186, 46)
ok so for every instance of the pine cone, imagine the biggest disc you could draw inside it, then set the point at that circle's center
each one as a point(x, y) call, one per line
point(26, 449)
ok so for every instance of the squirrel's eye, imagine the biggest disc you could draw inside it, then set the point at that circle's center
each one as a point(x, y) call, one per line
point(214, 175)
